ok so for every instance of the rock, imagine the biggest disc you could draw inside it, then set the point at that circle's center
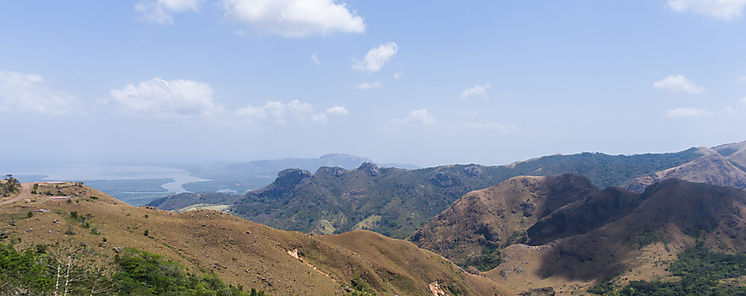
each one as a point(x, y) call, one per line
point(473, 171)
point(518, 269)
point(116, 250)
point(443, 180)
point(371, 168)
point(291, 177)
point(334, 171)
point(472, 270)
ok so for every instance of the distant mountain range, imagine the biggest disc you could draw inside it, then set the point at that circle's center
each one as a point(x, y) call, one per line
point(396, 202)
point(529, 228)
point(242, 176)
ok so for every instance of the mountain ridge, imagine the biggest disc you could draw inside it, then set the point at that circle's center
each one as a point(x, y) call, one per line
point(239, 251)
point(396, 202)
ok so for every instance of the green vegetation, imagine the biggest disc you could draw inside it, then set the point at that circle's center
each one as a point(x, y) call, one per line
point(143, 273)
point(646, 238)
point(9, 185)
point(606, 170)
point(702, 272)
point(337, 200)
point(359, 288)
point(489, 259)
point(55, 270)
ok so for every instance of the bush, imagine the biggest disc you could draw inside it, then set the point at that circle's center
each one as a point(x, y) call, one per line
point(701, 272)
point(34, 272)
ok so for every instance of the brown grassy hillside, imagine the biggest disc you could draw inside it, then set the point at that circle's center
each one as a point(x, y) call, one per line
point(481, 222)
point(672, 216)
point(713, 168)
point(735, 152)
point(239, 251)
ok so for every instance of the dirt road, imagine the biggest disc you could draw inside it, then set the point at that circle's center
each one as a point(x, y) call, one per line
point(25, 193)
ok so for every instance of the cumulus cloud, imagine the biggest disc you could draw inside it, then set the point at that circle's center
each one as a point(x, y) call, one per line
point(398, 75)
point(477, 90)
point(161, 98)
point(679, 83)
point(419, 117)
point(161, 11)
point(279, 113)
point(337, 110)
point(315, 59)
point(22, 92)
point(295, 18)
point(687, 112)
point(376, 58)
point(722, 9)
point(369, 85)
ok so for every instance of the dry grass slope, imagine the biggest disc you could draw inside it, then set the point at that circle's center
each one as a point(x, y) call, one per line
point(239, 251)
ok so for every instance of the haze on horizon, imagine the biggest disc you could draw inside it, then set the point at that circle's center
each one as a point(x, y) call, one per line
point(424, 83)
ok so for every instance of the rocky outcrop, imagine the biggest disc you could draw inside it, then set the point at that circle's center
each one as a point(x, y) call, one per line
point(444, 180)
point(371, 168)
point(473, 171)
point(333, 171)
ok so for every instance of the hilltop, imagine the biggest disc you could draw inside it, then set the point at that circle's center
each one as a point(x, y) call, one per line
point(396, 202)
point(562, 232)
point(720, 166)
point(240, 252)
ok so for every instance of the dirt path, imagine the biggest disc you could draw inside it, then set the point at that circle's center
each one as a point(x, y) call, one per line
point(25, 193)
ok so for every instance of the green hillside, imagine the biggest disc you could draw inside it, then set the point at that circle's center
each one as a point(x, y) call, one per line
point(396, 202)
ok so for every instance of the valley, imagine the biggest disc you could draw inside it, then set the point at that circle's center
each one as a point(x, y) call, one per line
point(557, 234)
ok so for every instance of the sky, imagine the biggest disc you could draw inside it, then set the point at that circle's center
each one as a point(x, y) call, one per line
point(416, 82)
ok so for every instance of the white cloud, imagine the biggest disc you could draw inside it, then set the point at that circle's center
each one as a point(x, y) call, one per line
point(369, 85)
point(337, 110)
point(679, 83)
point(315, 59)
point(376, 58)
point(161, 11)
point(492, 126)
point(477, 90)
point(722, 9)
point(741, 79)
point(419, 116)
point(28, 93)
point(398, 75)
point(687, 112)
point(280, 113)
point(161, 98)
point(295, 18)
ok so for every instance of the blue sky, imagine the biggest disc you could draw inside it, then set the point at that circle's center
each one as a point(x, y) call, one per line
point(421, 82)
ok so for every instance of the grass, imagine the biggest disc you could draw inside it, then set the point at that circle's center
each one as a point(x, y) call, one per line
point(701, 272)
point(238, 251)
point(222, 208)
